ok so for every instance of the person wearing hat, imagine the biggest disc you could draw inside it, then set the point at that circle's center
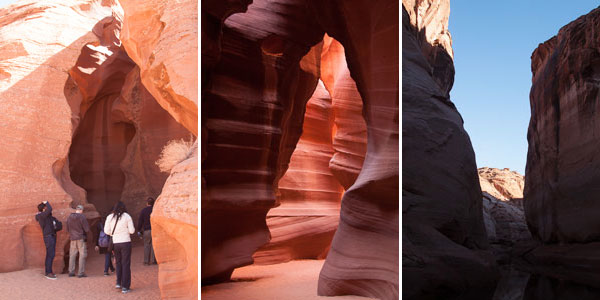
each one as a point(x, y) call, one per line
point(77, 227)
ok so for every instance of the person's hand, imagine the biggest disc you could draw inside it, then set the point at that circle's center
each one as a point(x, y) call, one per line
point(97, 248)
point(44, 201)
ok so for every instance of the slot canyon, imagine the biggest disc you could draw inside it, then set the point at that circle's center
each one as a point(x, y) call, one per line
point(300, 145)
point(93, 91)
point(487, 233)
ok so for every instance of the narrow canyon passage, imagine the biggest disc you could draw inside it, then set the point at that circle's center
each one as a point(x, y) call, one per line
point(98, 148)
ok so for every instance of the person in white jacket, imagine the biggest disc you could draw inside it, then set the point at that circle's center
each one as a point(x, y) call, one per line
point(119, 225)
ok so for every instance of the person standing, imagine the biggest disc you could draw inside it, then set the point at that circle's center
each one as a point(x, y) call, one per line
point(144, 228)
point(77, 227)
point(120, 226)
point(102, 246)
point(44, 217)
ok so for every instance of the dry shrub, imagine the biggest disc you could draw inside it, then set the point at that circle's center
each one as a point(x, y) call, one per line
point(174, 152)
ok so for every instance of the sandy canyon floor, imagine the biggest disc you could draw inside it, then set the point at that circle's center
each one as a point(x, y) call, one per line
point(295, 280)
point(31, 283)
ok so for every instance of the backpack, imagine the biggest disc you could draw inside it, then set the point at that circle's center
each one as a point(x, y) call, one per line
point(56, 224)
point(103, 239)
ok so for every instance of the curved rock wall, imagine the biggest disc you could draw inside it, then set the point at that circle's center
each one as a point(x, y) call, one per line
point(444, 247)
point(562, 161)
point(37, 47)
point(363, 258)
point(253, 116)
point(350, 131)
point(303, 224)
point(162, 38)
point(175, 231)
point(154, 128)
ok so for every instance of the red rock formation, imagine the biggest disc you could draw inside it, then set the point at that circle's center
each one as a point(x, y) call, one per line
point(253, 112)
point(560, 191)
point(502, 184)
point(162, 38)
point(363, 258)
point(154, 128)
point(350, 140)
point(175, 231)
point(444, 249)
point(303, 224)
point(36, 49)
point(100, 140)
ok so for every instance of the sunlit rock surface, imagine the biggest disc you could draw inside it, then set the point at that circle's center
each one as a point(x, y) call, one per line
point(37, 49)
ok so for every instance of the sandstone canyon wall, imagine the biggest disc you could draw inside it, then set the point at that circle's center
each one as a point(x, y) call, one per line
point(161, 37)
point(562, 161)
point(445, 247)
point(37, 48)
point(330, 152)
point(303, 223)
point(252, 119)
point(363, 258)
point(253, 108)
point(82, 114)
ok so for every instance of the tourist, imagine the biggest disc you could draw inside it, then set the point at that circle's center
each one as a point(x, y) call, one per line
point(102, 246)
point(77, 227)
point(44, 217)
point(119, 225)
point(145, 229)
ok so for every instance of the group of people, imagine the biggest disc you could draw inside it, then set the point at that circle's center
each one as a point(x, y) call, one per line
point(118, 226)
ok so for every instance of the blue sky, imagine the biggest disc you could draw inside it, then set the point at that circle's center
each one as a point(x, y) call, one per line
point(493, 42)
point(4, 3)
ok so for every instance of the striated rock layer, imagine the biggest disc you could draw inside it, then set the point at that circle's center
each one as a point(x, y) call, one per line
point(562, 161)
point(350, 131)
point(175, 231)
point(445, 247)
point(253, 112)
point(502, 184)
point(162, 38)
point(363, 258)
point(154, 128)
point(37, 48)
point(303, 224)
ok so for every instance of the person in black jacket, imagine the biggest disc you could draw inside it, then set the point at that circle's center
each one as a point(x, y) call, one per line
point(145, 229)
point(103, 250)
point(44, 217)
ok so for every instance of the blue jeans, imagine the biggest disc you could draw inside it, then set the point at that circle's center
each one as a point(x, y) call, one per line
point(108, 262)
point(50, 242)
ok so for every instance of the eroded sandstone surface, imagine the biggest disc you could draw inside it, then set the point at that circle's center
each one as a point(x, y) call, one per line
point(253, 110)
point(561, 198)
point(86, 129)
point(37, 48)
point(445, 250)
point(503, 184)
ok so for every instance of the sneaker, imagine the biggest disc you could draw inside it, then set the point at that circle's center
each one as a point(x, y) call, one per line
point(51, 276)
point(118, 286)
point(125, 290)
point(71, 274)
point(105, 273)
point(81, 275)
point(145, 263)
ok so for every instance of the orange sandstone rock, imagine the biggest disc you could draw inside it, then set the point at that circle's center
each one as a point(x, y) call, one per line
point(303, 224)
point(350, 139)
point(502, 184)
point(37, 48)
point(162, 38)
point(175, 231)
